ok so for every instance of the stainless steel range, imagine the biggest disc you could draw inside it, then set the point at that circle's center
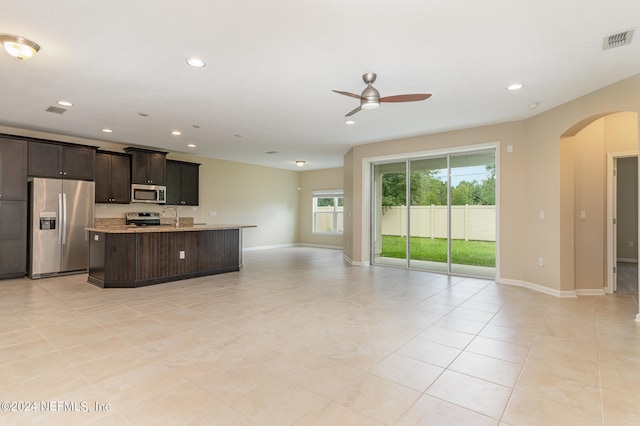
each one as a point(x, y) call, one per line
point(143, 218)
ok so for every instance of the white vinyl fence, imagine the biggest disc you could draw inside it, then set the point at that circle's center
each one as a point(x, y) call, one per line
point(467, 222)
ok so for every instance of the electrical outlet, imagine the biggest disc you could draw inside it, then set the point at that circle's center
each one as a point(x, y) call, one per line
point(181, 254)
point(540, 261)
point(213, 214)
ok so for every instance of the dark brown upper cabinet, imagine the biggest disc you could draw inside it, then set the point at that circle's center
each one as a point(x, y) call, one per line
point(183, 183)
point(147, 167)
point(51, 160)
point(13, 169)
point(113, 178)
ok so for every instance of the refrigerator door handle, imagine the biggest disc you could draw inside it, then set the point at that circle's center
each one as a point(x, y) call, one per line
point(64, 218)
point(60, 219)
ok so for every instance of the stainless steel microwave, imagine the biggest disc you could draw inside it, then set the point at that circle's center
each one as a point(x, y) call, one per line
point(153, 194)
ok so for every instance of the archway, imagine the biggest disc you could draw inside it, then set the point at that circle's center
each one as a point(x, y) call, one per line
point(584, 149)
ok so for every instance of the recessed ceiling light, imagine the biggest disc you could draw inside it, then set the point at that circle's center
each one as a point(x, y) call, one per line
point(349, 122)
point(515, 86)
point(191, 145)
point(300, 163)
point(65, 103)
point(534, 105)
point(107, 130)
point(176, 133)
point(196, 62)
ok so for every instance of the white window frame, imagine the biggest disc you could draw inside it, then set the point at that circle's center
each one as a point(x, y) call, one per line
point(327, 193)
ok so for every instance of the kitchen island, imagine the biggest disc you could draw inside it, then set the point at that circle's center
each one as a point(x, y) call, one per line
point(135, 256)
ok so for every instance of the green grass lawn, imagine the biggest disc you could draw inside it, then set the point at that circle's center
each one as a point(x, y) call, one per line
point(476, 253)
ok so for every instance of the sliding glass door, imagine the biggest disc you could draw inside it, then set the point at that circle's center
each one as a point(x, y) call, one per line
point(473, 213)
point(389, 245)
point(436, 214)
point(428, 216)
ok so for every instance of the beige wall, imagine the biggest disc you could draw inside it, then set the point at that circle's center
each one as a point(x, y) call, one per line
point(511, 195)
point(530, 180)
point(238, 193)
point(312, 181)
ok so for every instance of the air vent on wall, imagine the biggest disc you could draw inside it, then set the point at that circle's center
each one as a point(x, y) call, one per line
point(616, 40)
point(56, 110)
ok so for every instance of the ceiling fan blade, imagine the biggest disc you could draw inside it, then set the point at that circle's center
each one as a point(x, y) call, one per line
point(353, 112)
point(353, 95)
point(406, 98)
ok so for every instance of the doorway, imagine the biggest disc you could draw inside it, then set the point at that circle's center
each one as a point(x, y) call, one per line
point(623, 244)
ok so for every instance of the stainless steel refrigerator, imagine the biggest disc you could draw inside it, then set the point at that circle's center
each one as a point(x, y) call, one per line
point(59, 212)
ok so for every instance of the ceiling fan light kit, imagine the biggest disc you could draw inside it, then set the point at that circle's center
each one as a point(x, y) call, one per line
point(370, 97)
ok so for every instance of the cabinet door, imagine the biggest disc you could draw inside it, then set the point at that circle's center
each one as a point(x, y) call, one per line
point(139, 168)
point(190, 184)
point(120, 179)
point(78, 163)
point(13, 238)
point(174, 183)
point(45, 160)
point(13, 170)
point(157, 169)
point(103, 178)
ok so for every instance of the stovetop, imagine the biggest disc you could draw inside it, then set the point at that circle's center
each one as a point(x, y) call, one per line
point(143, 218)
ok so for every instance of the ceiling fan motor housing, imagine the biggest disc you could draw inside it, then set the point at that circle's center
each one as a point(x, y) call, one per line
point(370, 98)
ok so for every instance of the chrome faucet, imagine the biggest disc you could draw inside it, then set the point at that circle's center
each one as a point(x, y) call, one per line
point(175, 210)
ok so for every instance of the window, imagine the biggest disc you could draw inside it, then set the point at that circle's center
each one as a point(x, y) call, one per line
point(328, 210)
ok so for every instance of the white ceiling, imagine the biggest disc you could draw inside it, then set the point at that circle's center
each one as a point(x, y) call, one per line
point(271, 66)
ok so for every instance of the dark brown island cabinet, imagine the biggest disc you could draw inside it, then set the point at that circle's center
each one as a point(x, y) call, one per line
point(113, 178)
point(135, 257)
point(13, 207)
point(183, 183)
point(147, 167)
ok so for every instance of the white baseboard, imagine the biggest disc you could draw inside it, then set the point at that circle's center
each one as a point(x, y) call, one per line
point(319, 246)
point(591, 291)
point(268, 247)
point(352, 263)
point(537, 287)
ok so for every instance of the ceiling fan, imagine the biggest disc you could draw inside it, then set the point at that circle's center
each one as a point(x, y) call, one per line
point(370, 97)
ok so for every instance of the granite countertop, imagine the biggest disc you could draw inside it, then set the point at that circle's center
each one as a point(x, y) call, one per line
point(128, 229)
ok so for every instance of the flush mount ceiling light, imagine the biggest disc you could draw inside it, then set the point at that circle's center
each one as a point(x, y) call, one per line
point(515, 86)
point(196, 62)
point(65, 103)
point(300, 163)
point(107, 130)
point(176, 133)
point(191, 145)
point(19, 47)
point(349, 122)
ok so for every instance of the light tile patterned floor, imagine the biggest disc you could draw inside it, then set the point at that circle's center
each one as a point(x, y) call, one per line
point(300, 338)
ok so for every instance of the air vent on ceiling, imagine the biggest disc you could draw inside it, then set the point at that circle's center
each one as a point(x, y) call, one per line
point(56, 110)
point(616, 40)
point(271, 152)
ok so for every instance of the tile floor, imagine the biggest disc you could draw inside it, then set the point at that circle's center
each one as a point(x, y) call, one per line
point(300, 338)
